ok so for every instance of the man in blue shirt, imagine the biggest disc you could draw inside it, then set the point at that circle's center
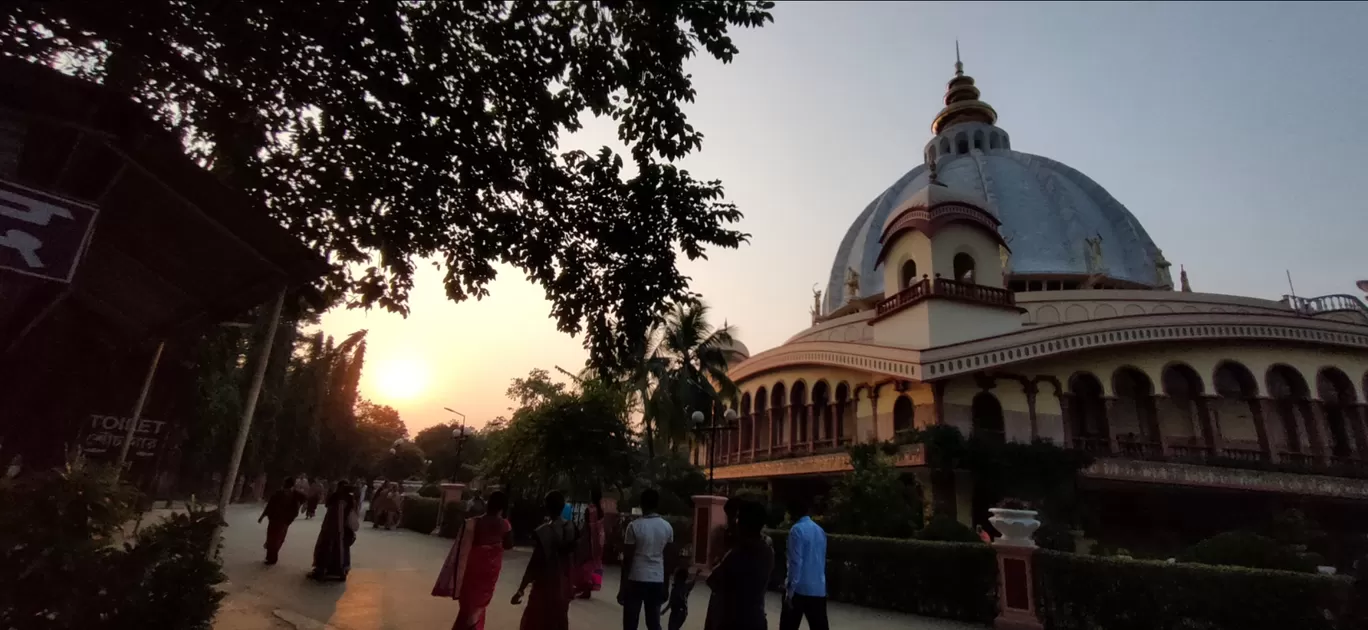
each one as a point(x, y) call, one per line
point(805, 590)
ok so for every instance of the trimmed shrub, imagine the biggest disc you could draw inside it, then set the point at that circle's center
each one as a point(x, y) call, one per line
point(1247, 549)
point(1077, 592)
point(942, 528)
point(453, 518)
point(1055, 538)
point(935, 579)
point(419, 513)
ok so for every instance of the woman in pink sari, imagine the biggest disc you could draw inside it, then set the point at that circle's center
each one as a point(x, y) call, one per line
point(472, 568)
point(589, 576)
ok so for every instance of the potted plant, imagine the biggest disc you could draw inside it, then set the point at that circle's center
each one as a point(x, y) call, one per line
point(1016, 521)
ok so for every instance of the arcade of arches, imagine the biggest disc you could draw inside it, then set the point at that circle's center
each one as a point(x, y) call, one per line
point(1231, 415)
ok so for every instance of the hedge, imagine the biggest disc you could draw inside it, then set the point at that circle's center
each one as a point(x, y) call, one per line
point(1084, 592)
point(419, 513)
point(935, 579)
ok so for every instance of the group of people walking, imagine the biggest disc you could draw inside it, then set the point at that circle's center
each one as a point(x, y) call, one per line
point(567, 562)
point(336, 533)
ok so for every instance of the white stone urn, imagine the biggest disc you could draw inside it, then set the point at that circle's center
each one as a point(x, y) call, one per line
point(1016, 526)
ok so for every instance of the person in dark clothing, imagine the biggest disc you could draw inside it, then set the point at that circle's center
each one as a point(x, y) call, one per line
point(743, 575)
point(332, 551)
point(281, 509)
point(679, 597)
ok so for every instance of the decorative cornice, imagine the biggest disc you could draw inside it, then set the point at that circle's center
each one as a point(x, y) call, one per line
point(1030, 344)
point(1231, 478)
point(909, 455)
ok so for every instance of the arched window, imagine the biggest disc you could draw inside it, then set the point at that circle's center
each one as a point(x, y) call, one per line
point(908, 273)
point(945, 146)
point(1234, 409)
point(1134, 413)
point(778, 414)
point(798, 413)
point(987, 418)
point(1184, 418)
point(762, 420)
point(821, 408)
point(902, 414)
point(978, 141)
point(1337, 399)
point(1288, 390)
point(994, 141)
point(964, 267)
point(1088, 414)
point(962, 143)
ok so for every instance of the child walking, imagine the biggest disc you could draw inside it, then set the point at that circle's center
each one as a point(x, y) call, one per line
point(678, 605)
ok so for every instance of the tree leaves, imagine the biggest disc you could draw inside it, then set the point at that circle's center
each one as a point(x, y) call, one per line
point(382, 131)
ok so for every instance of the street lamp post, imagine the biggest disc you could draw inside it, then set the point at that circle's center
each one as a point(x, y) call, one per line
point(459, 435)
point(709, 432)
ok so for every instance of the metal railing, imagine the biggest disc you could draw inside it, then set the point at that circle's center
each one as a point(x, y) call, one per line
point(1326, 304)
point(944, 287)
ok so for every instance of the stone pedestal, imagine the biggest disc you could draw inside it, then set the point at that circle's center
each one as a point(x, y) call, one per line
point(450, 492)
point(709, 521)
point(1016, 589)
point(1016, 577)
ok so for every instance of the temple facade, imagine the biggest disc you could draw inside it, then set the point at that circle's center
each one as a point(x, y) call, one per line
point(1011, 296)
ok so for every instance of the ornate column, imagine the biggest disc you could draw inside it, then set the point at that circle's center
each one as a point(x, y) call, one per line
point(1204, 421)
point(1031, 390)
point(1066, 417)
point(874, 410)
point(1256, 413)
point(754, 436)
point(815, 422)
point(1310, 411)
point(1152, 426)
point(1109, 406)
point(769, 431)
point(1353, 416)
point(835, 430)
point(1209, 426)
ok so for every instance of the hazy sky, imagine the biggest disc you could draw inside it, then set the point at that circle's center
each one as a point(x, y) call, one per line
point(1232, 131)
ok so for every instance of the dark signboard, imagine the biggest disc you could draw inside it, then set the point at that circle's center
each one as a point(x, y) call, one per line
point(104, 435)
point(40, 234)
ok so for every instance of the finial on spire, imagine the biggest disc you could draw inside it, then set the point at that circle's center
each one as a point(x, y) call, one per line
point(1183, 280)
point(959, 66)
point(931, 173)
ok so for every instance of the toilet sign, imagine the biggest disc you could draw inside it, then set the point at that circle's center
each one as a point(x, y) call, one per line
point(42, 235)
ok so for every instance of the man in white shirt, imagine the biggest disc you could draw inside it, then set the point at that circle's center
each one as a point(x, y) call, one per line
point(648, 557)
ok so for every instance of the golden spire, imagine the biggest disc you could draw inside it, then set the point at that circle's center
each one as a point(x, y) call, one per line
point(962, 102)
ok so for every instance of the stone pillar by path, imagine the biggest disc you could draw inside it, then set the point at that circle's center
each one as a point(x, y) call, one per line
point(1016, 577)
point(451, 492)
point(709, 521)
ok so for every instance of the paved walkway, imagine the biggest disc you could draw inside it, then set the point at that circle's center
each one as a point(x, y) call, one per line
point(391, 578)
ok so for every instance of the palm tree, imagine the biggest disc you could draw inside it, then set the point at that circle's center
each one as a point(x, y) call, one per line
point(688, 364)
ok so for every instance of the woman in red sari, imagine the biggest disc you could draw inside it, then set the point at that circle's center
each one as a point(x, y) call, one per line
point(589, 576)
point(472, 568)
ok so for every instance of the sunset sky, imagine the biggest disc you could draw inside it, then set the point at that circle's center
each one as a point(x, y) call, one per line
point(1233, 132)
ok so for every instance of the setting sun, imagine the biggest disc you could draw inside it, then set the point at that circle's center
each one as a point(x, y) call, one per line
point(401, 379)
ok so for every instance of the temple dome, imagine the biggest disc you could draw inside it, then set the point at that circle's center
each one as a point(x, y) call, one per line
point(1051, 215)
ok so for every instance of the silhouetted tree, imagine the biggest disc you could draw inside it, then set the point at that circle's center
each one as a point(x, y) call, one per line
point(384, 131)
